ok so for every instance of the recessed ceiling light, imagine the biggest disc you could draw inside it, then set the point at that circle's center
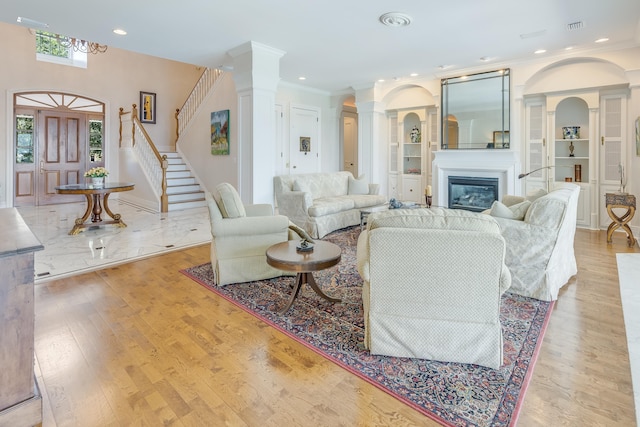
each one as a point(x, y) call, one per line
point(602, 40)
point(395, 19)
point(119, 31)
point(414, 74)
point(569, 47)
point(302, 78)
point(539, 51)
point(380, 80)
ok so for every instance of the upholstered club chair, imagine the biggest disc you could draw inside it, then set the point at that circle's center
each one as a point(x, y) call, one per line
point(433, 281)
point(241, 235)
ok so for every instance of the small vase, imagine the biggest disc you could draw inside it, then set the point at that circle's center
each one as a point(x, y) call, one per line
point(97, 181)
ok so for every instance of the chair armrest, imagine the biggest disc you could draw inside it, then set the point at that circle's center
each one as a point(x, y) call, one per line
point(505, 279)
point(250, 226)
point(262, 209)
point(295, 205)
point(374, 188)
point(362, 255)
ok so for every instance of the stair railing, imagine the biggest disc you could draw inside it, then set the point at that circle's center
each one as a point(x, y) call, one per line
point(153, 163)
point(198, 94)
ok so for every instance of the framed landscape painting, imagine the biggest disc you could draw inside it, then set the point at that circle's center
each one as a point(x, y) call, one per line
point(220, 133)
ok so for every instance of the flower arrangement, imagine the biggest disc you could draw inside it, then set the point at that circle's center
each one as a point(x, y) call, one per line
point(98, 172)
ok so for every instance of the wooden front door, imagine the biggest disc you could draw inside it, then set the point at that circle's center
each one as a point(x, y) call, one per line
point(61, 154)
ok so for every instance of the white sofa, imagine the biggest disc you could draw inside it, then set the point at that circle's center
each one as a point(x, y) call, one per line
point(324, 202)
point(433, 281)
point(540, 251)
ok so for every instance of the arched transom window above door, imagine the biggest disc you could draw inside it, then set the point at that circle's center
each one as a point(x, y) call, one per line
point(56, 100)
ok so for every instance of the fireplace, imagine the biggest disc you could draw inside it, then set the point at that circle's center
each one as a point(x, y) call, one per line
point(472, 193)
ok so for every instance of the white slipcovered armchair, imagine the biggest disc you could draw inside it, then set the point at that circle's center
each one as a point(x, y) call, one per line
point(241, 235)
point(433, 281)
point(540, 240)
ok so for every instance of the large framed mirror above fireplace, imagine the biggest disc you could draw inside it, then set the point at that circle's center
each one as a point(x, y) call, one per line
point(472, 193)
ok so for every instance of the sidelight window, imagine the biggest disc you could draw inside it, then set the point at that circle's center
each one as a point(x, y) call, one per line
point(24, 138)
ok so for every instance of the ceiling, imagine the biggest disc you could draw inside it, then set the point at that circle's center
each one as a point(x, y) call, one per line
point(337, 45)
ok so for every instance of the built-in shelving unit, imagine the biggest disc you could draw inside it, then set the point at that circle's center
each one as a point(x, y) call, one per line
point(572, 155)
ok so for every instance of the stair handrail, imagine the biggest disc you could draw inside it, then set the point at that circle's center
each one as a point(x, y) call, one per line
point(153, 163)
point(199, 92)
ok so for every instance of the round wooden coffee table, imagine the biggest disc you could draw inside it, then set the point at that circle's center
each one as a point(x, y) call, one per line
point(284, 256)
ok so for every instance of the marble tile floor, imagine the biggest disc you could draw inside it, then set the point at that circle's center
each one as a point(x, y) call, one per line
point(147, 234)
point(629, 277)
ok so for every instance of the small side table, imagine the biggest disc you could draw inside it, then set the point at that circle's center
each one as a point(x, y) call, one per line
point(621, 201)
point(284, 256)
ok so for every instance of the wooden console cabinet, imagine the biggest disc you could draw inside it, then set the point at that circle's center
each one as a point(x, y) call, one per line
point(20, 400)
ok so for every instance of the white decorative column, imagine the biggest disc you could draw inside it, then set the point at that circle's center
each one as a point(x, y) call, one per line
point(372, 145)
point(256, 75)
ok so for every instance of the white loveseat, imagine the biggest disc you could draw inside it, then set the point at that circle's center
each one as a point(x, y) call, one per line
point(540, 251)
point(324, 202)
point(433, 281)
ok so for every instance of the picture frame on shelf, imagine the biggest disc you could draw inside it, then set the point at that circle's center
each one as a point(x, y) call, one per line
point(147, 107)
point(501, 137)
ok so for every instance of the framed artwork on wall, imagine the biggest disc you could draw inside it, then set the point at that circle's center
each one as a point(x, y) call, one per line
point(147, 107)
point(220, 133)
point(305, 144)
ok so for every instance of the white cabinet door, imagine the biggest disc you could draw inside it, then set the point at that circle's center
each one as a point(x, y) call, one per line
point(611, 153)
point(411, 189)
point(393, 186)
point(535, 146)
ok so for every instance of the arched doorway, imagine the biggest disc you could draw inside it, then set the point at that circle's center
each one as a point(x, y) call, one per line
point(57, 136)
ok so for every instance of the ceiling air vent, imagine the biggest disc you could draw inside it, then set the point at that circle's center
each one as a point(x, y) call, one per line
point(575, 25)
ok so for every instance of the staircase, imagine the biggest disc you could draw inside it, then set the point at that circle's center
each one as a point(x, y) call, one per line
point(182, 189)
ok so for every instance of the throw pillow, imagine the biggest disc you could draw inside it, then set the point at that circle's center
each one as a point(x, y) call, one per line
point(500, 210)
point(358, 186)
point(536, 194)
point(229, 201)
point(520, 209)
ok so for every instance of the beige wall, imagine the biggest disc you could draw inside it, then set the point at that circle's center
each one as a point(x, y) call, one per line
point(195, 141)
point(115, 78)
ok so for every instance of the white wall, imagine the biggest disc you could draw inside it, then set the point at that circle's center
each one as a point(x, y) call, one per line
point(115, 78)
point(288, 94)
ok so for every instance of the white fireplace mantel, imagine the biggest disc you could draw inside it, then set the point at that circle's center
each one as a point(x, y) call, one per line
point(501, 164)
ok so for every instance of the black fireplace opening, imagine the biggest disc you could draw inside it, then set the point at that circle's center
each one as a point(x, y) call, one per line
point(472, 193)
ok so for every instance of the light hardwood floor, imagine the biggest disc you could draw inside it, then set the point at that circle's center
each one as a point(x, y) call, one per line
point(142, 344)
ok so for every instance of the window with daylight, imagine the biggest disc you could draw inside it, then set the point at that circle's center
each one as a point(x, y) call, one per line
point(49, 48)
point(24, 138)
point(96, 136)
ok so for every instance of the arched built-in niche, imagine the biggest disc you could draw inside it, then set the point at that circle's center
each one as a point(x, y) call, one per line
point(575, 74)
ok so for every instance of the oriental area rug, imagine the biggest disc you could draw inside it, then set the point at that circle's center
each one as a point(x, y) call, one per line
point(452, 394)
